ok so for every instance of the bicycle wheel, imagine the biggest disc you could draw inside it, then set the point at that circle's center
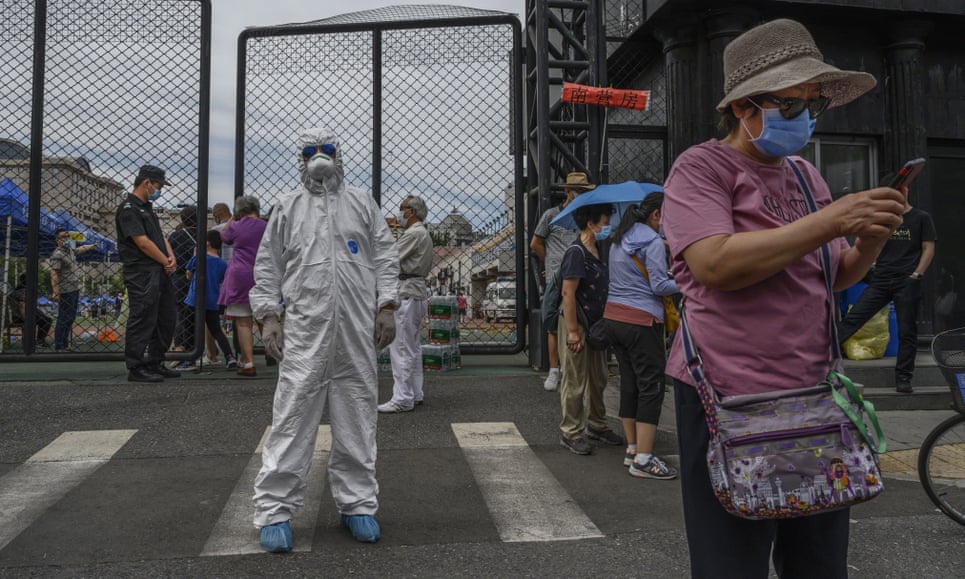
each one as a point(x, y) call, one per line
point(941, 467)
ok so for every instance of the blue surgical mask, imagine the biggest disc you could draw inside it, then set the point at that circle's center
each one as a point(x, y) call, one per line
point(781, 137)
point(154, 196)
point(603, 233)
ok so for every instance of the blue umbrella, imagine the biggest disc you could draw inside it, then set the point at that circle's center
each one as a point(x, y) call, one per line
point(620, 194)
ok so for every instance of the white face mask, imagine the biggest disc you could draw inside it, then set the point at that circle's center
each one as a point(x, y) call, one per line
point(321, 167)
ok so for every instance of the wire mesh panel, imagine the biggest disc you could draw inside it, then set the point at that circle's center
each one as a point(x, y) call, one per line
point(633, 159)
point(422, 98)
point(115, 96)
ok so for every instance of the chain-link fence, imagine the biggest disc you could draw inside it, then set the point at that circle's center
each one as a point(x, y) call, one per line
point(425, 102)
point(93, 89)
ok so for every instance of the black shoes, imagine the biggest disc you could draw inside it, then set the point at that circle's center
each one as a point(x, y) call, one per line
point(164, 371)
point(142, 374)
point(903, 386)
point(606, 436)
point(576, 445)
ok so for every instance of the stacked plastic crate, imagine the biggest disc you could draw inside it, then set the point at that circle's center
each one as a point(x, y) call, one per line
point(442, 352)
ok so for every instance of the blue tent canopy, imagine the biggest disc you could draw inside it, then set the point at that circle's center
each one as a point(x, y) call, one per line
point(14, 205)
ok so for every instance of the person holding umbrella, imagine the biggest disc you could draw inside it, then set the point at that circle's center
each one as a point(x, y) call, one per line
point(549, 243)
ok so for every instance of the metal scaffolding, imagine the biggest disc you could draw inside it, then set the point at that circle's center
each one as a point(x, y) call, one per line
point(565, 42)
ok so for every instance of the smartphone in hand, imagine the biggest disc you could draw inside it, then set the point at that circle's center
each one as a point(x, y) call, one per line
point(907, 174)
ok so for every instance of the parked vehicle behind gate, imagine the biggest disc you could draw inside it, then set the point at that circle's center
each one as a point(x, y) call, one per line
point(499, 302)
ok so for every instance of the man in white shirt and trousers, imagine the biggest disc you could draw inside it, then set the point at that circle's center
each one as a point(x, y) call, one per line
point(415, 260)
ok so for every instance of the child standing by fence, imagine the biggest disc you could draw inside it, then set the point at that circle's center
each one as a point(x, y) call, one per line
point(215, 270)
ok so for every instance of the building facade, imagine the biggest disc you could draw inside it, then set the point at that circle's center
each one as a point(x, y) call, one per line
point(675, 49)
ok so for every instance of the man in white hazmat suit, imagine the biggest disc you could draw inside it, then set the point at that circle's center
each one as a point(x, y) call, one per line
point(329, 256)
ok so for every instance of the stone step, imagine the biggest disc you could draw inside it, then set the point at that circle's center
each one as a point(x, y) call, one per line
point(931, 392)
point(923, 398)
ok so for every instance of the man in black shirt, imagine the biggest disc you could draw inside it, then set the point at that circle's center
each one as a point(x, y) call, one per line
point(897, 277)
point(148, 264)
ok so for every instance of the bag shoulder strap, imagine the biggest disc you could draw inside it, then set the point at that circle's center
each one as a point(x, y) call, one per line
point(640, 266)
point(825, 256)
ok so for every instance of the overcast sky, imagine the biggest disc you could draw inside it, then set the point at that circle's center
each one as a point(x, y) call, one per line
point(231, 17)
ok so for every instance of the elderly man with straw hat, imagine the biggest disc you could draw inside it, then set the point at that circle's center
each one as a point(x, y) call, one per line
point(746, 255)
point(549, 243)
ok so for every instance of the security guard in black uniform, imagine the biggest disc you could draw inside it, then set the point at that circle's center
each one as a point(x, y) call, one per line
point(148, 264)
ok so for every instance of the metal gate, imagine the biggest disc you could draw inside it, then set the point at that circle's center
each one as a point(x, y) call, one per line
point(92, 89)
point(426, 101)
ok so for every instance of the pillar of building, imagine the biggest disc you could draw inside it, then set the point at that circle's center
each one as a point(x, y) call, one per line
point(720, 28)
point(683, 84)
point(905, 136)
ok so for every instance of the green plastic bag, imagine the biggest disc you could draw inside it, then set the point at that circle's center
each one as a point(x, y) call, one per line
point(871, 340)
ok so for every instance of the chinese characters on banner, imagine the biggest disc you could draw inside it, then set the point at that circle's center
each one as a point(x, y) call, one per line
point(606, 97)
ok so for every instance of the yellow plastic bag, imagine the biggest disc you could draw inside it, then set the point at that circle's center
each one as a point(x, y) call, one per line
point(871, 340)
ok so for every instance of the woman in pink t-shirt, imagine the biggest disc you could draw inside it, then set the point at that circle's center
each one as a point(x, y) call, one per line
point(745, 257)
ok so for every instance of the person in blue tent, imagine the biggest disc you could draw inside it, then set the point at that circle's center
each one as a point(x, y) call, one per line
point(65, 282)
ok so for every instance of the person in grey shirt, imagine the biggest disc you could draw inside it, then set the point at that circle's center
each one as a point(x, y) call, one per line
point(415, 263)
point(549, 243)
point(65, 281)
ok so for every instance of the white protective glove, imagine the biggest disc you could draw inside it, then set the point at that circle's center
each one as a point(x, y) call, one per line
point(273, 337)
point(384, 328)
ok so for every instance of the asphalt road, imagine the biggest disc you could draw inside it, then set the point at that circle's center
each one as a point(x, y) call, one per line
point(149, 508)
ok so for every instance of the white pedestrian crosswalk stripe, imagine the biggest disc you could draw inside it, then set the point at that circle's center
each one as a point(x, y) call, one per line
point(234, 533)
point(525, 500)
point(33, 487)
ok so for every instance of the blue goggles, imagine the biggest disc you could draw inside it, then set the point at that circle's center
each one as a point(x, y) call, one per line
point(311, 150)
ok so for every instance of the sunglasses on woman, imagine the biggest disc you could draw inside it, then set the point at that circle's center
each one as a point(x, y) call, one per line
point(791, 107)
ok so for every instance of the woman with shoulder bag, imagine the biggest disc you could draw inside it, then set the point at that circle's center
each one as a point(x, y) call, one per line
point(634, 322)
point(585, 281)
point(747, 255)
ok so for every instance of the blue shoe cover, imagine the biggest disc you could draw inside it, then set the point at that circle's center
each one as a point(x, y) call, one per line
point(277, 538)
point(363, 527)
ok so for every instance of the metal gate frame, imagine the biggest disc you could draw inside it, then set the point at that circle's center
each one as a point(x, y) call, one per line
point(377, 28)
point(36, 160)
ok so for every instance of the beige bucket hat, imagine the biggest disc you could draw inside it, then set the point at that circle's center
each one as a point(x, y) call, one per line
point(578, 182)
point(781, 54)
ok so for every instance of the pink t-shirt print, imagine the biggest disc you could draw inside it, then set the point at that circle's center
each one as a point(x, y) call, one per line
point(771, 335)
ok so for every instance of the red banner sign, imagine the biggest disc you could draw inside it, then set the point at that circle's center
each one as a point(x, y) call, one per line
point(606, 97)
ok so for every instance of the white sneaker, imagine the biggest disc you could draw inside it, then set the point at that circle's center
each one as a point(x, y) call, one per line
point(393, 408)
point(552, 380)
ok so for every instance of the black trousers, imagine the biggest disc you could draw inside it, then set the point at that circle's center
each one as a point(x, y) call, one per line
point(906, 293)
point(152, 317)
point(723, 545)
point(640, 355)
point(212, 321)
point(184, 331)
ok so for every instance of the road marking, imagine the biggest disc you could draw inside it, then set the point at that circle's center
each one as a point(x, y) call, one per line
point(36, 485)
point(234, 533)
point(525, 500)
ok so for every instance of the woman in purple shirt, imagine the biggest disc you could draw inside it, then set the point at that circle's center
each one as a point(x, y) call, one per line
point(745, 256)
point(243, 231)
